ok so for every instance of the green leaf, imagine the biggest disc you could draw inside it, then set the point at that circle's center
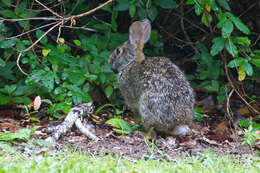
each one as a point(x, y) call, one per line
point(224, 4)
point(198, 9)
point(122, 125)
point(213, 5)
point(241, 73)
point(8, 43)
point(197, 114)
point(23, 134)
point(4, 99)
point(59, 107)
point(24, 24)
point(240, 25)
point(227, 27)
point(77, 42)
point(39, 33)
point(132, 10)
point(243, 41)
point(218, 45)
point(108, 91)
point(168, 4)
point(100, 108)
point(61, 40)
point(214, 86)
point(248, 68)
point(235, 63)
point(45, 52)
point(122, 5)
point(91, 77)
point(190, 2)
point(205, 20)
point(222, 17)
point(2, 62)
point(154, 13)
point(231, 48)
point(7, 13)
point(256, 62)
point(8, 89)
point(245, 123)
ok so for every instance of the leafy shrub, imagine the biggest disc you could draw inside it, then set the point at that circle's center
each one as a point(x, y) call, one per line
point(76, 69)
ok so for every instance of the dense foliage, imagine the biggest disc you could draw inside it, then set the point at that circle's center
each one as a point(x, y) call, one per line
point(69, 65)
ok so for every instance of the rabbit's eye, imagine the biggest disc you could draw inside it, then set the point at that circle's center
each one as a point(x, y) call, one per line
point(118, 50)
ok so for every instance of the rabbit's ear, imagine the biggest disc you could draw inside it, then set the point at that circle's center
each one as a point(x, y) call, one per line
point(146, 30)
point(140, 31)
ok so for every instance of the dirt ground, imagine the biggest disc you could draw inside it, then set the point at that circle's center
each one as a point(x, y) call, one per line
point(166, 147)
point(214, 135)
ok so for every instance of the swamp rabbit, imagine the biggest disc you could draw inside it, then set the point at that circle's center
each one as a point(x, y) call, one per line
point(153, 87)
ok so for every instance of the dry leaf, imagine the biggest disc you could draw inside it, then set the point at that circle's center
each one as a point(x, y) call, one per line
point(243, 111)
point(37, 103)
point(222, 126)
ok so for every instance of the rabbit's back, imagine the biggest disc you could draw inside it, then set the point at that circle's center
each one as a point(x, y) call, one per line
point(157, 90)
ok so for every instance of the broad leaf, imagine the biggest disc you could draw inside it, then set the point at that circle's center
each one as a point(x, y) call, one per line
point(132, 10)
point(231, 48)
point(2, 62)
point(248, 68)
point(227, 27)
point(224, 4)
point(240, 25)
point(39, 33)
point(256, 62)
point(168, 4)
point(218, 45)
point(77, 42)
point(45, 52)
point(122, 5)
point(234, 63)
point(241, 73)
point(108, 91)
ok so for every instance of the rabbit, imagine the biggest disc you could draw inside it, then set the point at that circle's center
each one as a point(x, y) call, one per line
point(153, 87)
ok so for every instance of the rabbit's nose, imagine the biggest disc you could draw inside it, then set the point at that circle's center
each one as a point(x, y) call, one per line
point(114, 70)
point(113, 67)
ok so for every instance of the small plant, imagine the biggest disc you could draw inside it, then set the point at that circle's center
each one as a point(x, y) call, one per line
point(102, 108)
point(121, 126)
point(22, 134)
point(250, 136)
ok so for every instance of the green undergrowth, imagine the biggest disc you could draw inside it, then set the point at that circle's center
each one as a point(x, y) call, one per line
point(79, 162)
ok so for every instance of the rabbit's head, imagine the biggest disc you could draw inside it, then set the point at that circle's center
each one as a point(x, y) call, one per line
point(131, 50)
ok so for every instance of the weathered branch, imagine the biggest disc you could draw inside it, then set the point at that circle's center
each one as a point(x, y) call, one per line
point(75, 116)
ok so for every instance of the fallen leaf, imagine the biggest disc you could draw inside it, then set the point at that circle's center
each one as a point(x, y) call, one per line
point(243, 111)
point(223, 126)
point(37, 103)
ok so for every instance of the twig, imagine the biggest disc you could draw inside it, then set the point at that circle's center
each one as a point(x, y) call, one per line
point(185, 32)
point(229, 110)
point(60, 21)
point(39, 39)
point(83, 28)
point(32, 18)
point(54, 13)
point(18, 65)
point(57, 40)
point(21, 52)
point(8, 38)
point(88, 12)
point(233, 86)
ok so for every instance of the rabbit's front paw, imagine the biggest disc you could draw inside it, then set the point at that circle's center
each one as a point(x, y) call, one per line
point(181, 130)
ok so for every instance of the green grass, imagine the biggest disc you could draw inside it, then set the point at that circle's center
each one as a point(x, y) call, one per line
point(76, 162)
